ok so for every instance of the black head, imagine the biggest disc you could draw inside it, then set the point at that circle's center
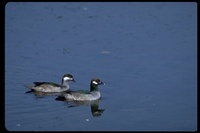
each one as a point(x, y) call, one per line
point(68, 77)
point(96, 82)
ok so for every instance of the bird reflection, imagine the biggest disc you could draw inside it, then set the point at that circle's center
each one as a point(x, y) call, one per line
point(94, 105)
point(96, 112)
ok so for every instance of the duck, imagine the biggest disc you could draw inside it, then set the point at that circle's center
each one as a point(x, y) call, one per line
point(50, 86)
point(83, 95)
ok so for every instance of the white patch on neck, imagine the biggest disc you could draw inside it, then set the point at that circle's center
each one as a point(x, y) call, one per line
point(67, 78)
point(94, 82)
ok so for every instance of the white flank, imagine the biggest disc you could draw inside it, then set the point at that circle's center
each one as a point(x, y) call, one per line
point(94, 82)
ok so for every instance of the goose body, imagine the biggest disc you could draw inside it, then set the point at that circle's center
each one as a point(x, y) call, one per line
point(84, 95)
point(50, 86)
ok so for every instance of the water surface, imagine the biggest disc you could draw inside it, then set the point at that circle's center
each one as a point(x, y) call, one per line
point(146, 53)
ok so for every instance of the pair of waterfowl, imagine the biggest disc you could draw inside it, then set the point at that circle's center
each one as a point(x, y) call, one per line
point(49, 87)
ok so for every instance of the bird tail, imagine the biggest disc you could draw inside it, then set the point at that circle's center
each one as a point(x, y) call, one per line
point(29, 86)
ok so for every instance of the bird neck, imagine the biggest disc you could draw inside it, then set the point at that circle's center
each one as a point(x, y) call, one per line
point(65, 84)
point(93, 87)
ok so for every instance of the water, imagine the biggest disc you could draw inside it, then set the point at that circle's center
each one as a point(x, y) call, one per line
point(146, 53)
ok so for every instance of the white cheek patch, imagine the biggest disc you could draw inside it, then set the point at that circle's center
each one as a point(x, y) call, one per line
point(67, 78)
point(94, 82)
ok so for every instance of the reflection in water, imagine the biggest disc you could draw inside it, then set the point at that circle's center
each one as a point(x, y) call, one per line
point(96, 112)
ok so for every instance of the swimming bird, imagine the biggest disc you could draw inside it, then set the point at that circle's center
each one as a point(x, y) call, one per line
point(83, 95)
point(50, 86)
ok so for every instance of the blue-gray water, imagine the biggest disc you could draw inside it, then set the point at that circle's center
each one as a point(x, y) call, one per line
point(146, 53)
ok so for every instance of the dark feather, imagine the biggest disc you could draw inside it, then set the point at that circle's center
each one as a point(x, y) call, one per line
point(50, 83)
point(60, 98)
